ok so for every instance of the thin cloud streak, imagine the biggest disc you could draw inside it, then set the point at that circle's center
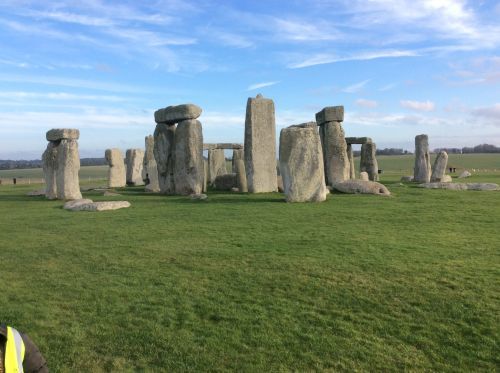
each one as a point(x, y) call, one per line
point(261, 85)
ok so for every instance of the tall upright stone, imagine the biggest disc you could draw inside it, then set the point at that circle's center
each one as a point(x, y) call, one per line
point(164, 136)
point(241, 175)
point(237, 154)
point(336, 158)
point(301, 163)
point(368, 161)
point(439, 168)
point(350, 156)
point(422, 169)
point(116, 173)
point(61, 164)
point(150, 170)
point(216, 164)
point(188, 158)
point(260, 145)
point(134, 160)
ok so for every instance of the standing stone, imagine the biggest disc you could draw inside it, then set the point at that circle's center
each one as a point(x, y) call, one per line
point(150, 170)
point(134, 159)
point(188, 158)
point(68, 165)
point(422, 170)
point(205, 175)
point(49, 159)
point(369, 162)
point(439, 169)
point(216, 164)
point(164, 136)
point(116, 172)
point(237, 154)
point(335, 153)
point(260, 145)
point(301, 163)
point(239, 167)
point(350, 156)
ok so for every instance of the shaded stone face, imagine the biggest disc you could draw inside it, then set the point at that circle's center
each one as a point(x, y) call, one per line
point(337, 164)
point(150, 170)
point(134, 160)
point(330, 114)
point(350, 156)
point(216, 164)
point(439, 168)
point(368, 161)
point(56, 134)
point(239, 169)
point(49, 161)
point(422, 169)
point(188, 158)
point(301, 164)
point(358, 140)
point(237, 154)
point(68, 165)
point(260, 145)
point(176, 114)
point(163, 151)
point(116, 172)
point(226, 182)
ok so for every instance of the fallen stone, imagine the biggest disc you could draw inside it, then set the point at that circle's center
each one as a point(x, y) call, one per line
point(198, 197)
point(176, 114)
point(461, 186)
point(330, 114)
point(89, 205)
point(361, 187)
point(422, 169)
point(235, 190)
point(110, 194)
point(226, 182)
point(465, 174)
point(57, 134)
point(71, 205)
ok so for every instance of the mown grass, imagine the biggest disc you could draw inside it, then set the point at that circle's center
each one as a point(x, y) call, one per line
point(250, 283)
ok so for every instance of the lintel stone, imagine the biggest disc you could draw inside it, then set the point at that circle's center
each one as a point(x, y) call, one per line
point(176, 114)
point(57, 134)
point(358, 140)
point(330, 114)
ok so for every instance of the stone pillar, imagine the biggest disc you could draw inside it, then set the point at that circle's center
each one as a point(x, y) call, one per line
point(150, 170)
point(163, 151)
point(239, 167)
point(439, 168)
point(350, 156)
point(61, 163)
point(301, 164)
point(205, 175)
point(116, 172)
point(134, 160)
point(335, 155)
point(369, 162)
point(216, 164)
point(237, 154)
point(422, 170)
point(260, 145)
point(188, 158)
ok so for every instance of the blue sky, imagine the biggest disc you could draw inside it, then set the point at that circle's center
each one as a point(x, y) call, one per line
point(400, 68)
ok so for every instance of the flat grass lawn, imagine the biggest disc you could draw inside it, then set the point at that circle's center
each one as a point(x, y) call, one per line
point(249, 283)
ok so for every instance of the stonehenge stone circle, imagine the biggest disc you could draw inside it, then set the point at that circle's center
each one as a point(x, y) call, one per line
point(176, 114)
point(163, 151)
point(216, 164)
point(361, 187)
point(117, 177)
point(61, 163)
point(150, 170)
point(301, 163)
point(134, 160)
point(368, 161)
point(439, 168)
point(461, 186)
point(422, 169)
point(260, 145)
point(188, 158)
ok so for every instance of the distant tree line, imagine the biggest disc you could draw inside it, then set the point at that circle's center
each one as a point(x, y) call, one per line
point(37, 163)
point(483, 148)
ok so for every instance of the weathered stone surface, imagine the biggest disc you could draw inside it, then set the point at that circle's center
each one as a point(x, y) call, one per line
point(368, 161)
point(361, 187)
point(188, 158)
point(422, 170)
point(117, 177)
point(358, 140)
point(89, 205)
point(205, 175)
point(465, 174)
point(57, 134)
point(237, 154)
point(363, 175)
point(164, 137)
point(330, 114)
point(222, 146)
point(134, 159)
point(260, 145)
point(110, 194)
point(301, 164)
point(49, 162)
point(439, 168)
point(75, 204)
point(68, 165)
point(241, 175)
point(176, 114)
point(350, 156)
point(335, 155)
point(150, 170)
point(461, 186)
point(216, 164)
point(407, 178)
point(279, 180)
point(198, 197)
point(446, 179)
point(226, 182)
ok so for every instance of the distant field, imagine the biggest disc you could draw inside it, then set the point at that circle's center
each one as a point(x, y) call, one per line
point(95, 172)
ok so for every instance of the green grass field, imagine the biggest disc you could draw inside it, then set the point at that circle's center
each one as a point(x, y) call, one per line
point(250, 283)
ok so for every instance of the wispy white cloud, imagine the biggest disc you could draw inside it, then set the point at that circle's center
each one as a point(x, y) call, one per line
point(300, 30)
point(489, 115)
point(356, 87)
point(366, 103)
point(261, 85)
point(58, 96)
point(388, 87)
point(418, 105)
